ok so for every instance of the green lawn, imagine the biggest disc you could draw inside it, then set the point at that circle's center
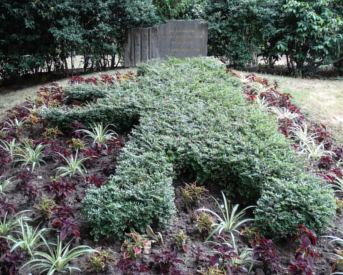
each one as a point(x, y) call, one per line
point(321, 100)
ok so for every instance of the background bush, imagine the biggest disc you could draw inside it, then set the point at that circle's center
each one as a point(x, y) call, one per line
point(40, 35)
point(197, 121)
point(307, 33)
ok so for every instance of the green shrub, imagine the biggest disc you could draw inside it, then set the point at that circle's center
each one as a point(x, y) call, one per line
point(197, 120)
point(140, 194)
point(284, 206)
point(84, 93)
point(39, 36)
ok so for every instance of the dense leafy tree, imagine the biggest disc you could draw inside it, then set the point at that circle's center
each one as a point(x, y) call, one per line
point(235, 28)
point(41, 35)
point(179, 9)
point(337, 54)
point(307, 32)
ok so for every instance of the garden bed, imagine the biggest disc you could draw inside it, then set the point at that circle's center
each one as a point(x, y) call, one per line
point(79, 203)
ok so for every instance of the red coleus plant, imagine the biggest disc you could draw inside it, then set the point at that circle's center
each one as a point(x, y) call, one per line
point(6, 208)
point(25, 176)
point(130, 266)
point(90, 153)
point(55, 149)
point(323, 135)
point(255, 78)
point(79, 80)
point(331, 175)
point(75, 126)
point(91, 80)
point(338, 153)
point(136, 245)
point(265, 251)
point(50, 96)
point(11, 261)
point(76, 79)
point(4, 160)
point(30, 190)
point(113, 144)
point(167, 262)
point(63, 220)
point(225, 256)
point(61, 188)
point(306, 253)
point(98, 181)
point(326, 162)
point(21, 111)
point(285, 126)
point(107, 79)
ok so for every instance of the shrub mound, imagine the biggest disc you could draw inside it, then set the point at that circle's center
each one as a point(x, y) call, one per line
point(190, 114)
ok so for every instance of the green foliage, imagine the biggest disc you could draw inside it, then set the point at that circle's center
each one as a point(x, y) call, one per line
point(307, 33)
point(179, 9)
point(10, 147)
point(84, 93)
point(28, 155)
point(298, 28)
point(229, 218)
point(57, 259)
point(41, 35)
point(8, 224)
point(4, 184)
point(197, 120)
point(237, 28)
point(310, 204)
point(74, 165)
point(27, 238)
point(99, 134)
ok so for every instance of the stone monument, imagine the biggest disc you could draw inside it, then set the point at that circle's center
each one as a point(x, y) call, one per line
point(177, 38)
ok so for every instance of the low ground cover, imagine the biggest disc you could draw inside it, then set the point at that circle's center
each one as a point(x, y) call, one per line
point(63, 157)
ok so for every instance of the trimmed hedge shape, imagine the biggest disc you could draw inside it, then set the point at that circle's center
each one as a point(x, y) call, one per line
point(190, 114)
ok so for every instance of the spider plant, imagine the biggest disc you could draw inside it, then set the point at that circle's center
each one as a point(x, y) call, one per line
point(8, 224)
point(263, 104)
point(284, 113)
point(338, 185)
point(302, 135)
point(14, 124)
point(74, 166)
point(315, 151)
point(28, 155)
point(338, 252)
point(99, 134)
point(28, 238)
point(4, 183)
point(9, 147)
point(229, 219)
point(245, 256)
point(57, 259)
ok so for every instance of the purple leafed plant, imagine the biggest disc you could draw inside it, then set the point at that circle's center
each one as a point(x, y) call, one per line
point(166, 263)
point(265, 251)
point(306, 253)
point(63, 220)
